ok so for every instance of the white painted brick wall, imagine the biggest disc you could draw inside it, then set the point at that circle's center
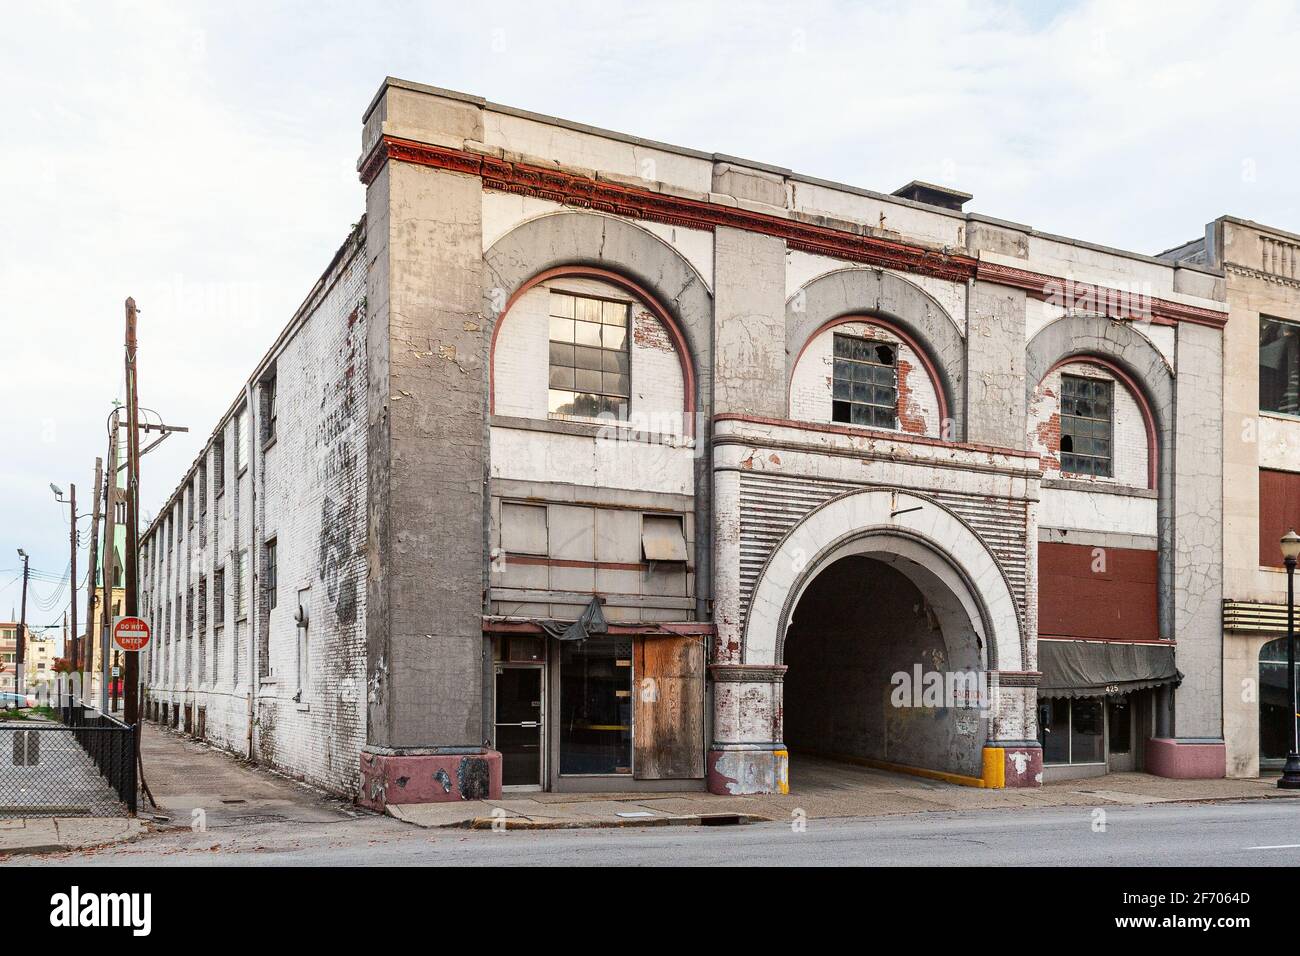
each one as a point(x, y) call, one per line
point(311, 499)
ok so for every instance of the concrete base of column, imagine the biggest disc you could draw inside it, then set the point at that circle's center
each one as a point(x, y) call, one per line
point(732, 771)
point(428, 776)
point(1186, 758)
point(1013, 763)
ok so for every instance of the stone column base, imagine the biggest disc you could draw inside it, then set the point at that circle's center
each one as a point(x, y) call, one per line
point(1187, 758)
point(428, 776)
point(744, 769)
point(1013, 763)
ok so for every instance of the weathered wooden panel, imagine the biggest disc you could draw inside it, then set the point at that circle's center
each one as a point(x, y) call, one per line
point(668, 708)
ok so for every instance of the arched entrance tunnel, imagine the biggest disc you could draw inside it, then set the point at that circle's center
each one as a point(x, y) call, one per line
point(881, 655)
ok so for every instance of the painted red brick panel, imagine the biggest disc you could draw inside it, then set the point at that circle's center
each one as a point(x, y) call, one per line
point(1105, 593)
point(1279, 512)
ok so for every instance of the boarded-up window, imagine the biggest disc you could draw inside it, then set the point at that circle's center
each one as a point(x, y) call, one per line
point(1095, 592)
point(523, 528)
point(668, 709)
point(663, 538)
point(1279, 512)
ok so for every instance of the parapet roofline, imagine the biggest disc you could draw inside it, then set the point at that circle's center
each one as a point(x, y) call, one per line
point(481, 102)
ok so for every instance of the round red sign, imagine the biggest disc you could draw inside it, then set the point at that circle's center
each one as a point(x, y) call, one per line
point(131, 633)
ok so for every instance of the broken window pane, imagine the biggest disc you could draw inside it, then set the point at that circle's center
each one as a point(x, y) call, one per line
point(864, 383)
point(1086, 426)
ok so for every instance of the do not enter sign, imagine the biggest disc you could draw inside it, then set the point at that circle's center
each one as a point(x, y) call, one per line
point(131, 633)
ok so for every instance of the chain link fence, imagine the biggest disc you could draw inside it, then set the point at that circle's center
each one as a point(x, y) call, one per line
point(82, 767)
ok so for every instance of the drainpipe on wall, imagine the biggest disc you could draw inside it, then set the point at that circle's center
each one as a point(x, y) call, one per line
point(252, 558)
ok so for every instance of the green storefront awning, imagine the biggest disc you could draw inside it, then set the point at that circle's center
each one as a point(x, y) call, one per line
point(1101, 668)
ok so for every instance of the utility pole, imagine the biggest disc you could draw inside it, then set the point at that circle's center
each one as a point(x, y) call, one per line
point(72, 603)
point(20, 682)
point(109, 561)
point(131, 704)
point(90, 581)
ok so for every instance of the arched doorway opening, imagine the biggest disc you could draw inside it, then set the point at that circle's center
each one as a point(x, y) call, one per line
point(963, 591)
point(885, 667)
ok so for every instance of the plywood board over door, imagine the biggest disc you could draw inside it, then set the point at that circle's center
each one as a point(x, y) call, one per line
point(668, 709)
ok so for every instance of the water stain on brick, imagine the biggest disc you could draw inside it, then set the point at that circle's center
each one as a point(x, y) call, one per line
point(472, 778)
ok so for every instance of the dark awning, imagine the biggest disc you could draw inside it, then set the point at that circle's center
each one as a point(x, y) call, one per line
point(1100, 668)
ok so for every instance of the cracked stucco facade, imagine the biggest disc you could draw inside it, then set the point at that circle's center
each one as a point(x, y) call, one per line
point(458, 433)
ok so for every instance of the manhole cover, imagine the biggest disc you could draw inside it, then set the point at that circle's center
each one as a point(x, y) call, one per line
point(248, 819)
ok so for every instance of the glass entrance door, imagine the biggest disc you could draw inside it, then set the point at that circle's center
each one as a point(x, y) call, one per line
point(520, 716)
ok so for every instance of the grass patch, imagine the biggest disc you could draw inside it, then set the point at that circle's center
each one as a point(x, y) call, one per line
point(29, 713)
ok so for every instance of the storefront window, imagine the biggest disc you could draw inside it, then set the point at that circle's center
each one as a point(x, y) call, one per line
point(596, 706)
point(1071, 731)
point(1275, 730)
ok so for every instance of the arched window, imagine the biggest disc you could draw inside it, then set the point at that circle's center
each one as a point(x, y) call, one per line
point(592, 348)
point(864, 372)
point(1085, 422)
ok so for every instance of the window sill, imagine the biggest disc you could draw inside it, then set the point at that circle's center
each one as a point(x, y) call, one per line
point(591, 428)
point(268, 444)
point(1105, 487)
point(1280, 416)
point(302, 708)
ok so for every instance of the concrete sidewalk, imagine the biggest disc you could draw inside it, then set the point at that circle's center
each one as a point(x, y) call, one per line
point(197, 788)
point(821, 790)
point(55, 834)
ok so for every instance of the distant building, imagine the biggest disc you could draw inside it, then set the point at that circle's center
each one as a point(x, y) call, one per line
point(38, 659)
point(1261, 480)
point(39, 655)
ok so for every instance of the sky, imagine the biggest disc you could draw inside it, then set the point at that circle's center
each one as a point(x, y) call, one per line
point(201, 158)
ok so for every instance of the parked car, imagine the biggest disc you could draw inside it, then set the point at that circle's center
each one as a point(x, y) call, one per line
point(11, 701)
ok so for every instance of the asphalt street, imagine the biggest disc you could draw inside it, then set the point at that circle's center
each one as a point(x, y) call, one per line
point(1264, 833)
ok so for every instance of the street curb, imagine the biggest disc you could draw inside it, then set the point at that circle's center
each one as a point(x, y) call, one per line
point(41, 848)
point(525, 823)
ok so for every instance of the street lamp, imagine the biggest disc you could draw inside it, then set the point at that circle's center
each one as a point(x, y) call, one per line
point(1290, 779)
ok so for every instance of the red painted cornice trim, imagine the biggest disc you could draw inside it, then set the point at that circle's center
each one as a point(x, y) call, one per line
point(1115, 303)
point(637, 203)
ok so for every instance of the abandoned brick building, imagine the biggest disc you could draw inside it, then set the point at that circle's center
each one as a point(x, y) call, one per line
point(593, 463)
